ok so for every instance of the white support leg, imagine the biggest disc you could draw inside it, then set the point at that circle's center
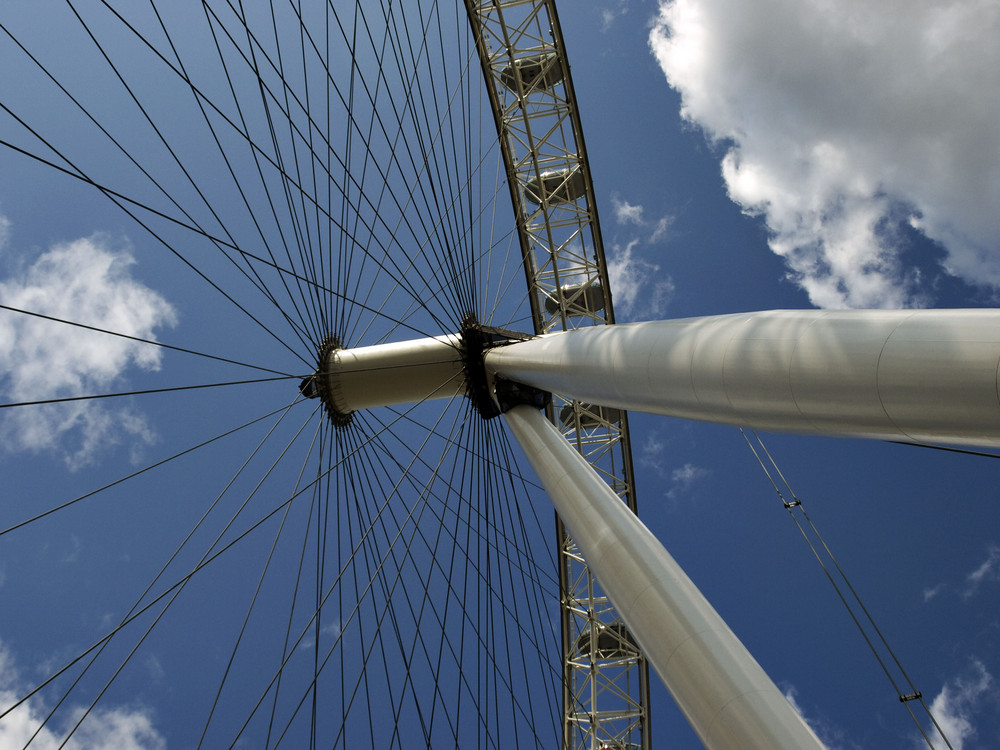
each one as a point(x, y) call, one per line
point(725, 694)
point(914, 375)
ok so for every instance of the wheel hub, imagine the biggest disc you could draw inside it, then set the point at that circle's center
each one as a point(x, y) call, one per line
point(405, 372)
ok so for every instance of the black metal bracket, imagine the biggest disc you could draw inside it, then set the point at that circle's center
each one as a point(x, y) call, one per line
point(478, 339)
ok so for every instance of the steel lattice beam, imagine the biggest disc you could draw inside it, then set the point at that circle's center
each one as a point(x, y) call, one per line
point(527, 76)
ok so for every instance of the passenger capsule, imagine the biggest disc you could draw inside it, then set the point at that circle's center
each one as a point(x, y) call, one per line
point(557, 186)
point(613, 642)
point(590, 416)
point(541, 71)
point(586, 298)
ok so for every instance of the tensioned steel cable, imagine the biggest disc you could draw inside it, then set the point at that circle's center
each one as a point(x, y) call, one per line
point(376, 313)
point(110, 137)
point(528, 568)
point(147, 391)
point(394, 157)
point(303, 231)
point(149, 630)
point(498, 593)
point(134, 97)
point(229, 166)
point(264, 571)
point(138, 472)
point(107, 640)
point(395, 150)
point(367, 532)
point(324, 458)
point(208, 101)
point(512, 511)
point(141, 340)
point(387, 589)
point(794, 507)
point(120, 203)
point(368, 588)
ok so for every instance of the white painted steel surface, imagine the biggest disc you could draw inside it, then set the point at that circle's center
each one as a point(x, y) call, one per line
point(724, 693)
point(919, 375)
point(399, 373)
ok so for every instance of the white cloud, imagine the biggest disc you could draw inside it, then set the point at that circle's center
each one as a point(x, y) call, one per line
point(791, 695)
point(650, 451)
point(639, 289)
point(611, 12)
point(660, 227)
point(117, 728)
point(86, 281)
point(832, 737)
point(4, 231)
point(989, 570)
point(846, 121)
point(932, 591)
point(626, 213)
point(683, 478)
point(634, 214)
point(954, 707)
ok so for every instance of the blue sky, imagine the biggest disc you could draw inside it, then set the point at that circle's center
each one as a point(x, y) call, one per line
point(783, 155)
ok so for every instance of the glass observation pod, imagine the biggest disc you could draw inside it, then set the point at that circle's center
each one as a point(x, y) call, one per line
point(556, 186)
point(584, 298)
point(590, 416)
point(541, 71)
point(613, 642)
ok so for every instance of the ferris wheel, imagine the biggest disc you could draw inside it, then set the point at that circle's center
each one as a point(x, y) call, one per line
point(379, 231)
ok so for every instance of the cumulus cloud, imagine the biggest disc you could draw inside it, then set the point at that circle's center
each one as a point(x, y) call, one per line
point(117, 728)
point(86, 281)
point(955, 706)
point(845, 124)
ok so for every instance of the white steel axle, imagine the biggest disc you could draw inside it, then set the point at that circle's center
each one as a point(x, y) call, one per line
point(402, 372)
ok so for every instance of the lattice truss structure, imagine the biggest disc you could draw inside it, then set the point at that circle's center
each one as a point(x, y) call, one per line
point(521, 47)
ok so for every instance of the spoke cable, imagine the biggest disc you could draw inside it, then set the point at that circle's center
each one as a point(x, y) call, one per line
point(151, 342)
point(797, 512)
point(145, 391)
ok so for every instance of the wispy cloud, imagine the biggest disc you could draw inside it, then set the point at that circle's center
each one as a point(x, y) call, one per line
point(626, 213)
point(954, 708)
point(87, 281)
point(845, 126)
point(832, 737)
point(989, 570)
point(683, 479)
point(4, 232)
point(634, 215)
point(611, 12)
point(932, 591)
point(639, 289)
point(119, 728)
point(651, 451)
